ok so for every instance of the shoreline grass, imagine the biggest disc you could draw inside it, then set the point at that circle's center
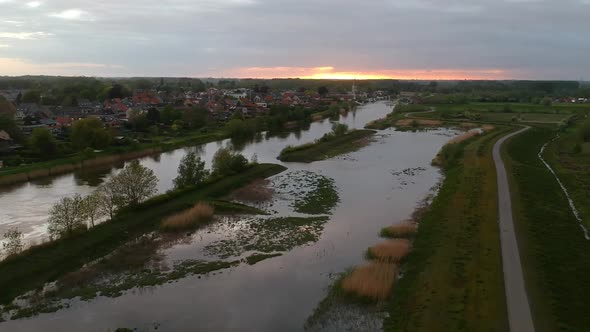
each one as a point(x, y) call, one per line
point(321, 150)
point(45, 263)
point(453, 277)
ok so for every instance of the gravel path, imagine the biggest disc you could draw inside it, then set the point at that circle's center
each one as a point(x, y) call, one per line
point(519, 312)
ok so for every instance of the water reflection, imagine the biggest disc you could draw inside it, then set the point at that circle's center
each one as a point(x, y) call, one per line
point(27, 206)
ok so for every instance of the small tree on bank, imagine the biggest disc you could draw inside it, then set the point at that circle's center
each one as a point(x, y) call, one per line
point(134, 184)
point(191, 171)
point(226, 162)
point(92, 207)
point(67, 216)
point(108, 201)
point(13, 242)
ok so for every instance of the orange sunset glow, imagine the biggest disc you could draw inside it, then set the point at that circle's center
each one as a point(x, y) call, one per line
point(329, 72)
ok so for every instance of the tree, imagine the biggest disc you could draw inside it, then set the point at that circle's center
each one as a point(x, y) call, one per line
point(32, 96)
point(339, 129)
point(323, 91)
point(108, 200)
point(226, 162)
point(13, 242)
point(196, 117)
point(9, 125)
point(43, 142)
point(67, 216)
point(134, 184)
point(153, 115)
point(90, 132)
point(92, 207)
point(169, 114)
point(191, 171)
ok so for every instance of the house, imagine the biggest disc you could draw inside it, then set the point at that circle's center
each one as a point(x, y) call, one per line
point(5, 141)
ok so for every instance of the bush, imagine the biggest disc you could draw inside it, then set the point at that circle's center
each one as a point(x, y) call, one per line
point(391, 250)
point(227, 162)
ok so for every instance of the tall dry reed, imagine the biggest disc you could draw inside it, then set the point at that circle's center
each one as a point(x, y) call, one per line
point(391, 250)
point(374, 280)
point(406, 228)
point(200, 213)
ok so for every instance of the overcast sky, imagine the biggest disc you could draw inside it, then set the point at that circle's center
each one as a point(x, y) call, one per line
point(528, 39)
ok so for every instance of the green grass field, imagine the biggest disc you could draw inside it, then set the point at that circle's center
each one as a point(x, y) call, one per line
point(41, 264)
point(453, 278)
point(553, 249)
point(321, 150)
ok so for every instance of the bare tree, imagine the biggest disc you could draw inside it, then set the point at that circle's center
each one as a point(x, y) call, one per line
point(134, 184)
point(13, 242)
point(92, 207)
point(66, 216)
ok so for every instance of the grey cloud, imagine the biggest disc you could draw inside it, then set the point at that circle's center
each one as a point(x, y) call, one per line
point(531, 38)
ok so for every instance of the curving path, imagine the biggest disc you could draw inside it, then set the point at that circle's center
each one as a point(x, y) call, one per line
point(519, 312)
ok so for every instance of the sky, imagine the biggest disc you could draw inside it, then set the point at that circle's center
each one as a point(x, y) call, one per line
point(405, 39)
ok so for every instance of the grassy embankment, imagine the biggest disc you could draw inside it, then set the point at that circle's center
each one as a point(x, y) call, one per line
point(453, 277)
point(553, 249)
point(416, 116)
point(329, 148)
point(11, 175)
point(41, 264)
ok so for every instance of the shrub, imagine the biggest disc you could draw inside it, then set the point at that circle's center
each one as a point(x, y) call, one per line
point(200, 213)
point(390, 250)
point(373, 281)
point(227, 162)
point(13, 242)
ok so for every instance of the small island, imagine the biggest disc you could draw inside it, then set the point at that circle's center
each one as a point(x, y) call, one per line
point(338, 142)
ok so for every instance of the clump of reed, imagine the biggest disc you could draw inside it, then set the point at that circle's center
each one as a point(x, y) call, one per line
point(200, 213)
point(257, 191)
point(393, 250)
point(374, 280)
point(406, 228)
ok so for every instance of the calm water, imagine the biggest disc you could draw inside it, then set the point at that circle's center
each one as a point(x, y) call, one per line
point(26, 206)
point(277, 294)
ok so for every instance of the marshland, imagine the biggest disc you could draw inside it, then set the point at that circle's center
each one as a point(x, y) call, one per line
point(265, 271)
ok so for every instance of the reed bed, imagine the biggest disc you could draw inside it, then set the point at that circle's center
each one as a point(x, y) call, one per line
point(200, 213)
point(374, 280)
point(406, 228)
point(393, 250)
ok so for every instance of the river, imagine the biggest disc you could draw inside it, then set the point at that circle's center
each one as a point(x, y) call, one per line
point(379, 185)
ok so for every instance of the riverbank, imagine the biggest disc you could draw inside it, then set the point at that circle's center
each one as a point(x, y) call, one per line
point(13, 175)
point(44, 263)
point(452, 279)
point(552, 244)
point(324, 149)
